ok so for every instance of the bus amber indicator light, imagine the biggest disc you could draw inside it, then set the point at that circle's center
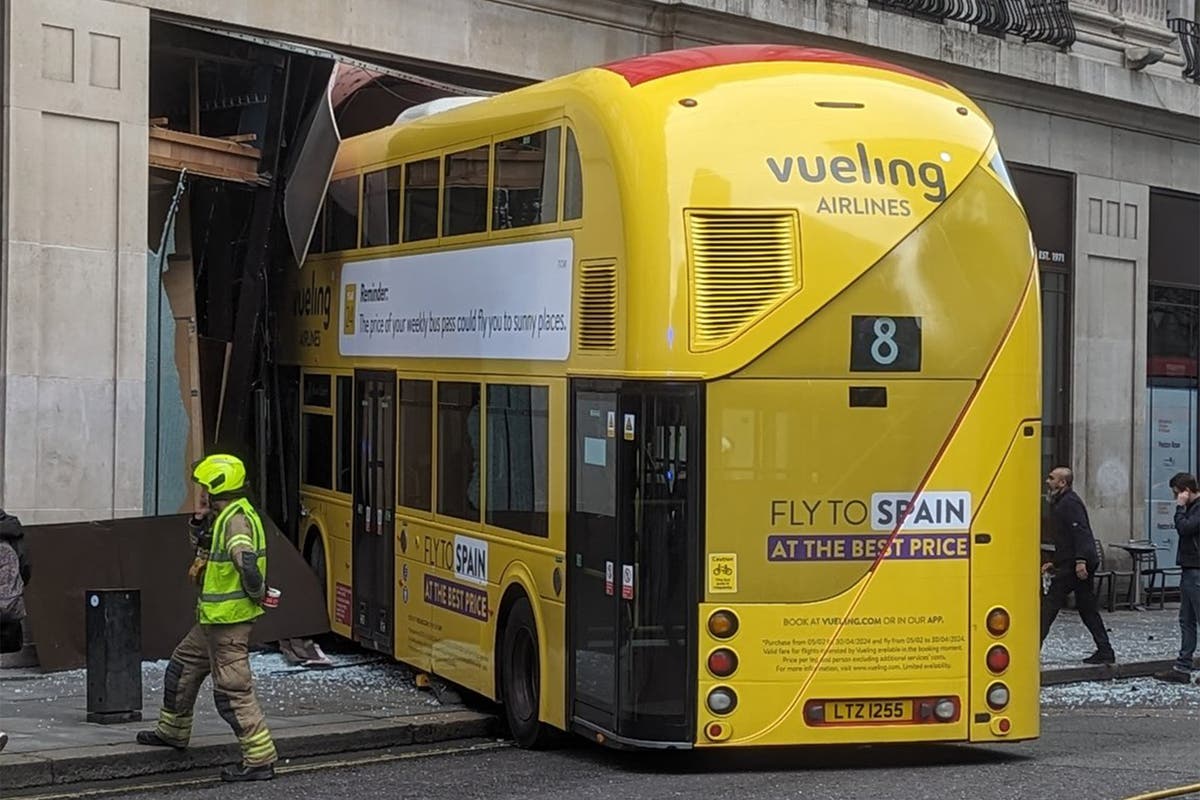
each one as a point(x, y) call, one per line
point(997, 622)
point(722, 662)
point(997, 659)
point(723, 624)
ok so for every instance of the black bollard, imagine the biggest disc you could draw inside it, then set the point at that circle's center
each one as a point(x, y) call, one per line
point(114, 655)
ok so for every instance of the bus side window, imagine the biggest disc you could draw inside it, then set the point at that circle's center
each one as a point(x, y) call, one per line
point(317, 245)
point(381, 207)
point(345, 431)
point(526, 180)
point(466, 190)
point(421, 200)
point(416, 444)
point(458, 450)
point(572, 181)
point(316, 444)
point(518, 473)
point(341, 215)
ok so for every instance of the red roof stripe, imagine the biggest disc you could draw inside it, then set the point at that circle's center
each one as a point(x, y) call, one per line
point(640, 69)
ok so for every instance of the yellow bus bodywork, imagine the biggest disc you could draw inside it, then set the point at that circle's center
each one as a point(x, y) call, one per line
point(890, 193)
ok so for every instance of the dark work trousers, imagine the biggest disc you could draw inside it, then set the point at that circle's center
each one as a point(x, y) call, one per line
point(1064, 583)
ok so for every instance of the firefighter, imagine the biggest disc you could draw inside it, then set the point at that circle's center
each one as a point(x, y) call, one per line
point(230, 570)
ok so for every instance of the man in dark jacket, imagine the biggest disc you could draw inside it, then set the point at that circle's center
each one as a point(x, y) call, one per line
point(1187, 555)
point(1075, 561)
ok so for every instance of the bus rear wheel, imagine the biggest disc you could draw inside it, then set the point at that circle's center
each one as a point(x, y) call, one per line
point(520, 677)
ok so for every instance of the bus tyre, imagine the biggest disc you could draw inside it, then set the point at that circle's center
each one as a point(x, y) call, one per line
point(520, 677)
point(316, 559)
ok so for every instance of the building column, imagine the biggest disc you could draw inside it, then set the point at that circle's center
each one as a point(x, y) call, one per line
point(1109, 370)
point(74, 266)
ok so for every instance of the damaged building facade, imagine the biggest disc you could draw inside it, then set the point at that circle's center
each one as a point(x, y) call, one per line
point(154, 152)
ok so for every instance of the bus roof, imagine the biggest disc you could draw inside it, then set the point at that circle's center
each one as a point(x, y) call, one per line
point(640, 69)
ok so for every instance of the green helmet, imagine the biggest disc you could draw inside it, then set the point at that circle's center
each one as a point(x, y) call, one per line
point(220, 474)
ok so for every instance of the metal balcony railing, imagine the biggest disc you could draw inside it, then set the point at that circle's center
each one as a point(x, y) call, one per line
point(1189, 40)
point(1047, 21)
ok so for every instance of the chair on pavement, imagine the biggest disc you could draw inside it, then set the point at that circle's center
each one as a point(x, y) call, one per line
point(1103, 575)
point(1151, 569)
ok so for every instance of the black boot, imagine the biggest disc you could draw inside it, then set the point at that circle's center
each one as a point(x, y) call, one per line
point(1101, 658)
point(152, 739)
point(241, 772)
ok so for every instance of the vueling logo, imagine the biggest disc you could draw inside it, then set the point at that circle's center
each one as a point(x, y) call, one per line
point(313, 301)
point(866, 170)
point(348, 308)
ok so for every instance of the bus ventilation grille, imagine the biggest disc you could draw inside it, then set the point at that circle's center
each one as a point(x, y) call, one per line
point(741, 264)
point(598, 305)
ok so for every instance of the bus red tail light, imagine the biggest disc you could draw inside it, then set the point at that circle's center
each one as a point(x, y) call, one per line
point(723, 624)
point(997, 659)
point(998, 622)
point(722, 662)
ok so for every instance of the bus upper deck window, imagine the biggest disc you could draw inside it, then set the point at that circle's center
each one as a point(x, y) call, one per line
point(421, 200)
point(526, 181)
point(317, 244)
point(341, 215)
point(572, 181)
point(465, 204)
point(381, 207)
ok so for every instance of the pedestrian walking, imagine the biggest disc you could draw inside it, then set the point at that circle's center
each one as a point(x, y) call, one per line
point(1187, 555)
point(230, 569)
point(1075, 561)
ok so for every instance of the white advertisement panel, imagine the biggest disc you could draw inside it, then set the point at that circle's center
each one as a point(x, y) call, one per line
point(1172, 428)
point(498, 301)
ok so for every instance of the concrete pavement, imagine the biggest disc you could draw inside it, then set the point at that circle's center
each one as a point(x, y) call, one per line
point(362, 703)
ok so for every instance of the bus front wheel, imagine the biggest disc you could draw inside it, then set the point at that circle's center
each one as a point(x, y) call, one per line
point(520, 677)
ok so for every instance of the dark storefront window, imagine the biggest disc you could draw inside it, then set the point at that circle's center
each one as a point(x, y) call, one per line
point(1049, 202)
point(1172, 353)
point(1173, 332)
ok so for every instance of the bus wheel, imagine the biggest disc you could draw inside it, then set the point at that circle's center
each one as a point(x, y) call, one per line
point(520, 677)
point(315, 556)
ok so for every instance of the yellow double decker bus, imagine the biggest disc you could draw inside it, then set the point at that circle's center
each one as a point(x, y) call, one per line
point(688, 401)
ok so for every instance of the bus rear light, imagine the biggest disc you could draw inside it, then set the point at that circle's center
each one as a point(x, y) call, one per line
point(722, 700)
point(997, 696)
point(945, 709)
point(723, 624)
point(718, 731)
point(722, 662)
point(997, 659)
point(998, 622)
point(814, 712)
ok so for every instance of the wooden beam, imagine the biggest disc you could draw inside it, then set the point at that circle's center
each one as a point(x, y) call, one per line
point(204, 155)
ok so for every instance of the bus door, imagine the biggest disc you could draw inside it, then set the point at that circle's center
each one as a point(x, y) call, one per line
point(374, 502)
point(632, 545)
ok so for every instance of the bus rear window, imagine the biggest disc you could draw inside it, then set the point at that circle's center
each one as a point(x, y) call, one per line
point(572, 181)
point(526, 183)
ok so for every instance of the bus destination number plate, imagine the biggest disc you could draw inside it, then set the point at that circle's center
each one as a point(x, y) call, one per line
point(885, 344)
point(868, 711)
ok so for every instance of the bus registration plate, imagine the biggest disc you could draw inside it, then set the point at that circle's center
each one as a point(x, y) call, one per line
point(851, 712)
